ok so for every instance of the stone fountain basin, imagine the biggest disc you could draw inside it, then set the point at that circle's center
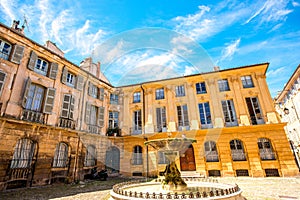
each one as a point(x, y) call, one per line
point(138, 191)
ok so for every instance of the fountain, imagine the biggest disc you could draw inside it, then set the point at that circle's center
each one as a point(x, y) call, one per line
point(172, 185)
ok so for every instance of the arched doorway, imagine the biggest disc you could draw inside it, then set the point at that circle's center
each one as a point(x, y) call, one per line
point(112, 160)
point(187, 160)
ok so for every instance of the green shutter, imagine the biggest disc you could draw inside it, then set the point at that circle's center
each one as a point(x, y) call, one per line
point(101, 95)
point(79, 82)
point(101, 116)
point(49, 101)
point(53, 70)
point(32, 60)
point(17, 54)
point(64, 75)
point(87, 112)
point(26, 91)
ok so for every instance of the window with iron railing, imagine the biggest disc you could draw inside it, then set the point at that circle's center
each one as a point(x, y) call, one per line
point(237, 150)
point(265, 149)
point(23, 154)
point(211, 153)
point(61, 155)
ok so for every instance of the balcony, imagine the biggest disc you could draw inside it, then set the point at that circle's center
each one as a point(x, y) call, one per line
point(113, 132)
point(33, 116)
point(137, 130)
point(67, 123)
point(94, 129)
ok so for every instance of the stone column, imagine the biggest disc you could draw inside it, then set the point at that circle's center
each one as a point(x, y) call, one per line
point(149, 127)
point(171, 111)
point(192, 106)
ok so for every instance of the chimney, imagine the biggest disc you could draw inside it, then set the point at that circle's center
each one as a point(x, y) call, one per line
point(98, 69)
point(16, 28)
point(216, 68)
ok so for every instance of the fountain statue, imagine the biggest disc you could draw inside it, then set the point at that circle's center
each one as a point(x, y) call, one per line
point(172, 185)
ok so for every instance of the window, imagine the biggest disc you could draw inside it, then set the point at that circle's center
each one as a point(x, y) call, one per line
point(200, 88)
point(113, 119)
point(237, 150)
point(5, 49)
point(242, 172)
point(247, 82)
point(265, 149)
point(180, 91)
point(93, 90)
point(136, 97)
point(205, 115)
point(35, 98)
point(2, 80)
point(161, 122)
point(162, 159)
point(159, 94)
point(272, 172)
point(183, 118)
point(68, 106)
point(211, 153)
point(229, 113)
point(137, 122)
point(41, 66)
point(114, 99)
point(61, 155)
point(223, 85)
point(72, 80)
point(90, 157)
point(23, 154)
point(94, 117)
point(137, 157)
point(254, 110)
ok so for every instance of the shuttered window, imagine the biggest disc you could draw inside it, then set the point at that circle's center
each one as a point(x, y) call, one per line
point(53, 70)
point(49, 101)
point(79, 82)
point(71, 79)
point(2, 80)
point(17, 54)
point(87, 112)
point(101, 95)
point(93, 90)
point(68, 106)
point(101, 116)
point(5, 49)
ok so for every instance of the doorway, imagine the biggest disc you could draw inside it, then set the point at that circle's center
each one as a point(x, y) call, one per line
point(187, 160)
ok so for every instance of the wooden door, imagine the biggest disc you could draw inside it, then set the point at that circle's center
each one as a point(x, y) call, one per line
point(187, 160)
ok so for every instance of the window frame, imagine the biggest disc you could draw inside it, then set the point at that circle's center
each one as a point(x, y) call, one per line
point(61, 156)
point(136, 97)
point(223, 85)
point(5, 55)
point(161, 119)
point(183, 115)
point(24, 152)
point(159, 94)
point(38, 67)
point(229, 113)
point(90, 159)
point(113, 119)
point(137, 155)
point(137, 122)
point(180, 91)
point(211, 151)
point(114, 99)
point(205, 115)
point(201, 88)
point(247, 81)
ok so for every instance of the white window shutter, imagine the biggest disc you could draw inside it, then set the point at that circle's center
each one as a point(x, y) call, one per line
point(72, 104)
point(32, 60)
point(101, 116)
point(49, 100)
point(87, 112)
point(66, 106)
point(53, 70)
point(64, 75)
point(17, 54)
point(2, 80)
point(79, 82)
point(26, 91)
point(101, 95)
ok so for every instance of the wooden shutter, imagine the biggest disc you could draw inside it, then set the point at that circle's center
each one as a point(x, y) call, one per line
point(49, 101)
point(72, 104)
point(101, 95)
point(53, 70)
point(32, 60)
point(64, 75)
point(66, 106)
point(17, 54)
point(79, 82)
point(90, 88)
point(87, 112)
point(101, 116)
point(26, 91)
point(2, 80)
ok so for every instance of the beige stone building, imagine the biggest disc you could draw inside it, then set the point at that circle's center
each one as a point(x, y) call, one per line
point(59, 120)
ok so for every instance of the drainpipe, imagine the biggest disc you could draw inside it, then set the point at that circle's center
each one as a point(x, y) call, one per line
point(144, 121)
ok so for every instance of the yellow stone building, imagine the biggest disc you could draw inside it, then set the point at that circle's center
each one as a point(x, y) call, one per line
point(59, 120)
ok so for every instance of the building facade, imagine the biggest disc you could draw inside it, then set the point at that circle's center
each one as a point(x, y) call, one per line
point(59, 120)
point(288, 107)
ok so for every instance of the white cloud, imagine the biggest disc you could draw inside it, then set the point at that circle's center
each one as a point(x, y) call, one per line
point(295, 4)
point(58, 24)
point(230, 50)
point(276, 72)
point(8, 8)
point(271, 10)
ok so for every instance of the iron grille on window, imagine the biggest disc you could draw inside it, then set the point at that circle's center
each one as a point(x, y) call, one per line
point(23, 154)
point(61, 155)
point(90, 157)
point(265, 149)
point(211, 153)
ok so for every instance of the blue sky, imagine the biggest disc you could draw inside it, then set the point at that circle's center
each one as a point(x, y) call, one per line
point(139, 40)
